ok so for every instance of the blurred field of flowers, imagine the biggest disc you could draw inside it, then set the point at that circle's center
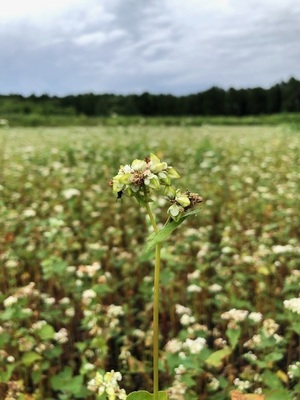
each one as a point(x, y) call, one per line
point(76, 285)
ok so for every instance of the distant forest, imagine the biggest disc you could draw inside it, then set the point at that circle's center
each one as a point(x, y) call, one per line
point(282, 97)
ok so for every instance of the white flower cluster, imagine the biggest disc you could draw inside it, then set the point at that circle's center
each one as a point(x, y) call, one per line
point(173, 346)
point(115, 311)
point(288, 248)
point(269, 327)
point(108, 384)
point(235, 315)
point(29, 212)
point(215, 288)
point(69, 193)
point(293, 305)
point(88, 295)
point(181, 202)
point(113, 314)
point(213, 384)
point(294, 370)
point(142, 176)
point(36, 326)
point(61, 336)
point(193, 288)
point(88, 270)
point(185, 314)
point(9, 301)
point(25, 291)
point(242, 385)
point(255, 316)
point(194, 346)
point(178, 388)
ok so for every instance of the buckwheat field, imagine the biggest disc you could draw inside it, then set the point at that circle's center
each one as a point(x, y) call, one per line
point(76, 285)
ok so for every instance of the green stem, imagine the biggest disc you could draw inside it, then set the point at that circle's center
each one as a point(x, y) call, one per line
point(152, 218)
point(155, 308)
point(155, 320)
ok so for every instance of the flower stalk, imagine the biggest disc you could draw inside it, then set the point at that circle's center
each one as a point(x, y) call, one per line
point(141, 179)
point(155, 307)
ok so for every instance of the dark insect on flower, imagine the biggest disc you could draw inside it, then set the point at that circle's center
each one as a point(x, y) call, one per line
point(119, 194)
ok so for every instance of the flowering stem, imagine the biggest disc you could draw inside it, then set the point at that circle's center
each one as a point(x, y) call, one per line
point(155, 307)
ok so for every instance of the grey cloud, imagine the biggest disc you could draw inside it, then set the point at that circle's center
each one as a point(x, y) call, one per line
point(132, 46)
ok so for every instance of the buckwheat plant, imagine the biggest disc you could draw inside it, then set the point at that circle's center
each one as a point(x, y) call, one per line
point(140, 180)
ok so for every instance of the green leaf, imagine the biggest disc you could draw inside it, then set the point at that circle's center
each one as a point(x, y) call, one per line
point(216, 358)
point(4, 338)
point(271, 380)
point(68, 383)
point(143, 395)
point(7, 373)
point(296, 327)
point(278, 394)
point(272, 357)
point(30, 357)
point(46, 332)
point(164, 233)
point(233, 336)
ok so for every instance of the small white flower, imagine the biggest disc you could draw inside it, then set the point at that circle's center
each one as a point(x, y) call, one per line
point(255, 316)
point(70, 312)
point(194, 289)
point(194, 275)
point(36, 326)
point(235, 315)
point(50, 301)
point(242, 385)
point(293, 305)
point(215, 288)
point(29, 213)
point(227, 250)
point(115, 311)
point(69, 193)
point(9, 301)
point(88, 295)
point(173, 346)
point(186, 319)
point(195, 345)
point(61, 336)
point(270, 327)
point(11, 264)
point(278, 249)
point(180, 310)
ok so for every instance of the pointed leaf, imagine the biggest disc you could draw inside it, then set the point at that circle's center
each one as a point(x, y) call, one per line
point(278, 394)
point(46, 332)
point(216, 358)
point(164, 233)
point(30, 357)
point(233, 336)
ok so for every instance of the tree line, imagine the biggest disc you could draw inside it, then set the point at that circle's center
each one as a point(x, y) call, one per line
point(282, 97)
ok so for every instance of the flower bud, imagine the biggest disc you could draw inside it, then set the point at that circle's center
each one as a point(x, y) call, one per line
point(183, 200)
point(152, 181)
point(173, 174)
point(175, 211)
point(170, 192)
point(138, 165)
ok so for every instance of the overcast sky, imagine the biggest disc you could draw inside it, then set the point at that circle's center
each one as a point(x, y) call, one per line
point(161, 46)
